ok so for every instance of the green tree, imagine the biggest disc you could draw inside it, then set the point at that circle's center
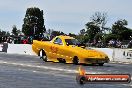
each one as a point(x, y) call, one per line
point(14, 30)
point(100, 19)
point(56, 33)
point(33, 22)
point(82, 32)
point(119, 28)
point(72, 35)
point(98, 37)
point(3, 33)
point(92, 30)
point(49, 31)
point(7, 33)
point(109, 37)
point(19, 32)
point(95, 29)
point(83, 38)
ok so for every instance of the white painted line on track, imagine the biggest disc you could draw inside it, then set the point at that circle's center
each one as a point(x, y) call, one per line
point(44, 67)
point(48, 67)
point(108, 70)
point(34, 71)
point(126, 63)
point(4, 62)
point(117, 62)
point(29, 65)
point(70, 70)
point(22, 64)
point(126, 84)
point(14, 63)
point(38, 66)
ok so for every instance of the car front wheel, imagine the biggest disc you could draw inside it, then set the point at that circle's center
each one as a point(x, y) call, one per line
point(43, 55)
point(75, 60)
point(101, 64)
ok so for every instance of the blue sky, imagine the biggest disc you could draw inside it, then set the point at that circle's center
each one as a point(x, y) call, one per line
point(69, 16)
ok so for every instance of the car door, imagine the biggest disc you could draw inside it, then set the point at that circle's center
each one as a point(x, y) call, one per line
point(60, 48)
point(55, 48)
point(63, 51)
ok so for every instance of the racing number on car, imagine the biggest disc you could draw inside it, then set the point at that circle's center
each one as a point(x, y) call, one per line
point(54, 49)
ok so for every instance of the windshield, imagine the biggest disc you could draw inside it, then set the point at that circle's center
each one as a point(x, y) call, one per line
point(72, 42)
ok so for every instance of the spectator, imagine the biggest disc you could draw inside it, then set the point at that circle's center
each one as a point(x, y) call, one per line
point(129, 44)
point(25, 41)
point(5, 47)
point(112, 43)
point(118, 44)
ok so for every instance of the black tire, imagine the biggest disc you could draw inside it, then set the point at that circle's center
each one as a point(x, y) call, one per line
point(63, 61)
point(101, 64)
point(75, 60)
point(43, 56)
point(81, 80)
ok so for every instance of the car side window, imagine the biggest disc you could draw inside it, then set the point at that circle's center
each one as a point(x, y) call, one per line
point(58, 41)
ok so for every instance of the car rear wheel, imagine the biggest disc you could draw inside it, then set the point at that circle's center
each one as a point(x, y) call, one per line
point(75, 60)
point(101, 64)
point(43, 55)
point(61, 60)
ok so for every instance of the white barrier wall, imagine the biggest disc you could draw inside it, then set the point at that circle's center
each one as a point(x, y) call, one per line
point(1, 47)
point(20, 49)
point(122, 55)
point(119, 55)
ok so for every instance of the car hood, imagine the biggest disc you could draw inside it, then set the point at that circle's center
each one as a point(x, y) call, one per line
point(88, 52)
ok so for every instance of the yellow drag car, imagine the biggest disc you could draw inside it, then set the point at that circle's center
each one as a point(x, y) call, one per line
point(65, 49)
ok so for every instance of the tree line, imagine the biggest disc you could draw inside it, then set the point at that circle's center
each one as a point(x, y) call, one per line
point(96, 30)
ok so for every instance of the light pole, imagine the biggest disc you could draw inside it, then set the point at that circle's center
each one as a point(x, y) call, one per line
point(34, 29)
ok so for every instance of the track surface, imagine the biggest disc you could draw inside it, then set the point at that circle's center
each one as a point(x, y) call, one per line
point(23, 71)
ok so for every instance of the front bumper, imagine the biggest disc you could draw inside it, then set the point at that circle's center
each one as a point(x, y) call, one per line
point(96, 60)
